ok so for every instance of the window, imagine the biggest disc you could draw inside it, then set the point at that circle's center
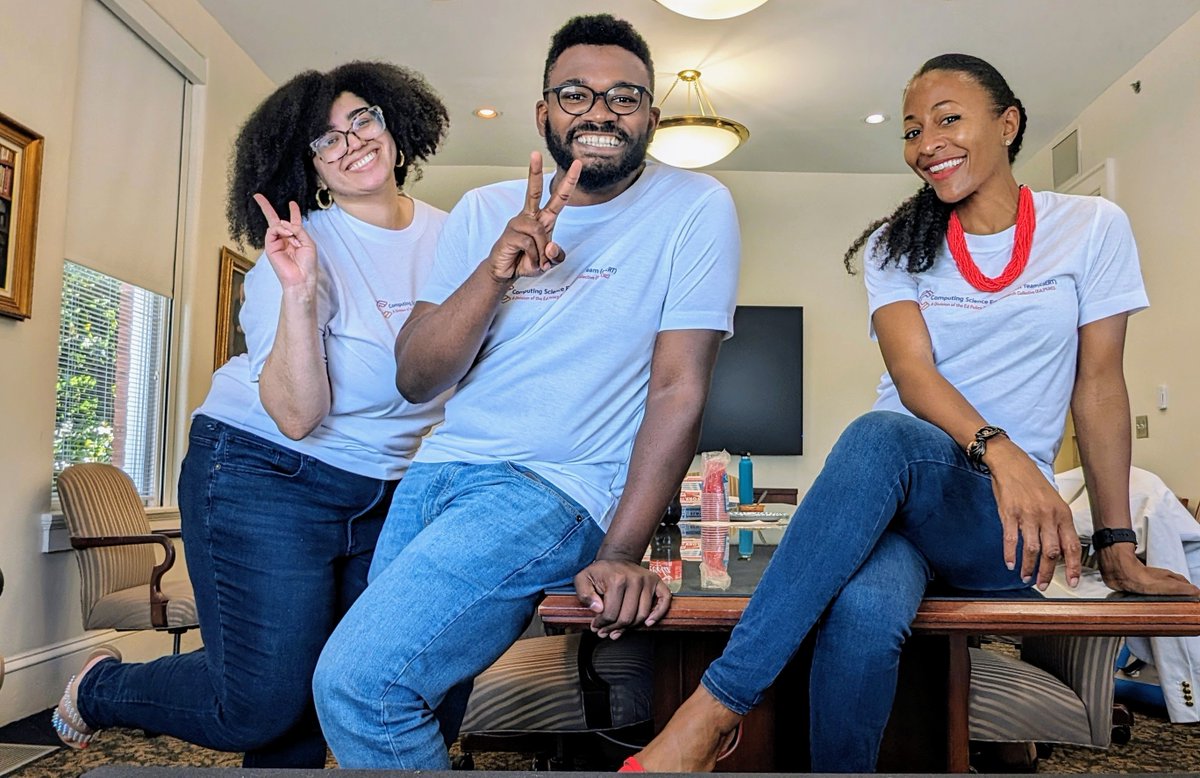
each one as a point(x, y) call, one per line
point(122, 251)
point(111, 389)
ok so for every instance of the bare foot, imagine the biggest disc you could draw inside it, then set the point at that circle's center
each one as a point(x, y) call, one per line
point(696, 736)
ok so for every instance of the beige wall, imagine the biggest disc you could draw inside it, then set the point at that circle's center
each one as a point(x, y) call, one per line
point(40, 630)
point(1153, 140)
point(795, 227)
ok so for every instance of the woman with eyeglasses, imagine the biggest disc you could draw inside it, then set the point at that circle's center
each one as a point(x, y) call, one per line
point(295, 453)
point(995, 309)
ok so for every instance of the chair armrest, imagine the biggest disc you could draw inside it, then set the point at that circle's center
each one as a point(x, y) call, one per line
point(170, 532)
point(158, 600)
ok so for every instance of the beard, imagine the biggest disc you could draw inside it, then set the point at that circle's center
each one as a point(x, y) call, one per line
point(603, 173)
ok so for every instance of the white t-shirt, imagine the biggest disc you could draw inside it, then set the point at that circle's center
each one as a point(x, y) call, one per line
point(561, 380)
point(369, 277)
point(1012, 353)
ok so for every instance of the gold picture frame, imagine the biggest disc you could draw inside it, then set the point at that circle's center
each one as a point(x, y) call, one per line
point(20, 187)
point(231, 286)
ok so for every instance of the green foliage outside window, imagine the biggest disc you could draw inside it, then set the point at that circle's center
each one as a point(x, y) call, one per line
point(86, 390)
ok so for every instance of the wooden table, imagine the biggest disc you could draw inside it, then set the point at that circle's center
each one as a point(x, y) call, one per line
point(935, 665)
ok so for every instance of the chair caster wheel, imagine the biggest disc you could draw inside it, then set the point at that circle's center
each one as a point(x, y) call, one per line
point(1121, 735)
point(462, 762)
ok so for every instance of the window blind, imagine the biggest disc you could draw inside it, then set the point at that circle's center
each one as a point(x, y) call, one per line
point(126, 145)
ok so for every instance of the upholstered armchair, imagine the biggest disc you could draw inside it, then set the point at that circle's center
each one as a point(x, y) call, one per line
point(121, 586)
point(562, 696)
point(1060, 690)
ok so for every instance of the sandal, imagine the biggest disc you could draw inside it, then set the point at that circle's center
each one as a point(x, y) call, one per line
point(72, 730)
point(733, 743)
point(632, 765)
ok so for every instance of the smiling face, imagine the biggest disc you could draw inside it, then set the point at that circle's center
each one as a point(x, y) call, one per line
point(611, 146)
point(953, 138)
point(367, 168)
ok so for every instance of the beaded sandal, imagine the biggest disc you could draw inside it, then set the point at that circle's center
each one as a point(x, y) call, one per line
point(72, 730)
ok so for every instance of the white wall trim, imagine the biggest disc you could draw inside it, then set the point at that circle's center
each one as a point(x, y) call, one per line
point(161, 37)
point(53, 651)
point(34, 679)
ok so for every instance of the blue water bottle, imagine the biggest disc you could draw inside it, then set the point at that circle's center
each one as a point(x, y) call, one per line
point(746, 480)
point(745, 497)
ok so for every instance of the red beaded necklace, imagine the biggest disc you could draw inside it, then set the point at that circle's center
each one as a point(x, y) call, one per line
point(1022, 243)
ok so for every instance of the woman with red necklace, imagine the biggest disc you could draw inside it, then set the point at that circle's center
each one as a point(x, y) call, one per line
point(995, 308)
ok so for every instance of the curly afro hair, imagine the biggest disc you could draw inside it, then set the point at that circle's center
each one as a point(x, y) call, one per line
point(913, 234)
point(598, 30)
point(271, 153)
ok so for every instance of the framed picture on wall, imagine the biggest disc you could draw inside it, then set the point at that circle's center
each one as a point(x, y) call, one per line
point(231, 293)
point(20, 184)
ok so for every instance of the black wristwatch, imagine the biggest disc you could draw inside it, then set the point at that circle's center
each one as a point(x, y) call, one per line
point(1103, 538)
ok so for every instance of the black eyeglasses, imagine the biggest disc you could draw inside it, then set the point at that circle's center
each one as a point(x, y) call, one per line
point(577, 99)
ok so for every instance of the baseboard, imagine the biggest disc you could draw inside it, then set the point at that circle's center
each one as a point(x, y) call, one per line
point(33, 679)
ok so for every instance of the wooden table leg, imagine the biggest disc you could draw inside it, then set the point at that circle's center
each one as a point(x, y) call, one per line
point(669, 683)
point(958, 730)
point(680, 659)
point(915, 738)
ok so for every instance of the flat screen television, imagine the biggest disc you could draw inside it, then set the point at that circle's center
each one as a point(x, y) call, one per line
point(755, 401)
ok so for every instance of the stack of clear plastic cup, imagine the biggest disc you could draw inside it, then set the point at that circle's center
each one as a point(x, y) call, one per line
point(714, 541)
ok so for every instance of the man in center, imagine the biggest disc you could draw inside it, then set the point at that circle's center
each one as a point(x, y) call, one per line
point(579, 314)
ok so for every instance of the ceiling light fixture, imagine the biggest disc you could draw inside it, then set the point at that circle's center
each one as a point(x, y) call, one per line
point(876, 118)
point(712, 9)
point(486, 113)
point(698, 136)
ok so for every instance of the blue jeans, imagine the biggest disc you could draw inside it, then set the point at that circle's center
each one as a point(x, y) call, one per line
point(278, 546)
point(464, 557)
point(896, 503)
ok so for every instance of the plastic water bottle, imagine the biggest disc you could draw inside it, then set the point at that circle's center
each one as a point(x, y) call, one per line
point(665, 556)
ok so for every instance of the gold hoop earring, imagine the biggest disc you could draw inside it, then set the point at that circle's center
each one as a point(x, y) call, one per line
point(400, 151)
point(327, 203)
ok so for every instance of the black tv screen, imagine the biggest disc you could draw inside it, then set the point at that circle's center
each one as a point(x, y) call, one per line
point(755, 401)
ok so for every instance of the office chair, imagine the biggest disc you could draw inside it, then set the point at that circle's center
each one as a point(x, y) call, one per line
point(563, 698)
point(121, 587)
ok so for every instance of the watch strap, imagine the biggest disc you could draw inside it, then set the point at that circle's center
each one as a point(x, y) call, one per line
point(1103, 538)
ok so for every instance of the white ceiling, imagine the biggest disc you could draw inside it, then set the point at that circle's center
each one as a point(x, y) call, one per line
point(800, 74)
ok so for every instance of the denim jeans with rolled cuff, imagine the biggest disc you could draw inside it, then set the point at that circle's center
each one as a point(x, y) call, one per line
point(278, 546)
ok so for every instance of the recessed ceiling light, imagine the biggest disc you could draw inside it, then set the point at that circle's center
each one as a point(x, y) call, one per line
point(486, 113)
point(876, 118)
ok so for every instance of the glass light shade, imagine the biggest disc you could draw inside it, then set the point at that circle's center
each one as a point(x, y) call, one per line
point(696, 141)
point(712, 9)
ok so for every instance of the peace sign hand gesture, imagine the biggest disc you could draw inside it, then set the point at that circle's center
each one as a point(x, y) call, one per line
point(525, 248)
point(290, 250)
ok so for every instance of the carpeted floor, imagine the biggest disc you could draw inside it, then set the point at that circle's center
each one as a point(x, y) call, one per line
point(1156, 746)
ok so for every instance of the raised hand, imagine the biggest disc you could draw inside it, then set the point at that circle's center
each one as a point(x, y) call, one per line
point(290, 250)
point(526, 248)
